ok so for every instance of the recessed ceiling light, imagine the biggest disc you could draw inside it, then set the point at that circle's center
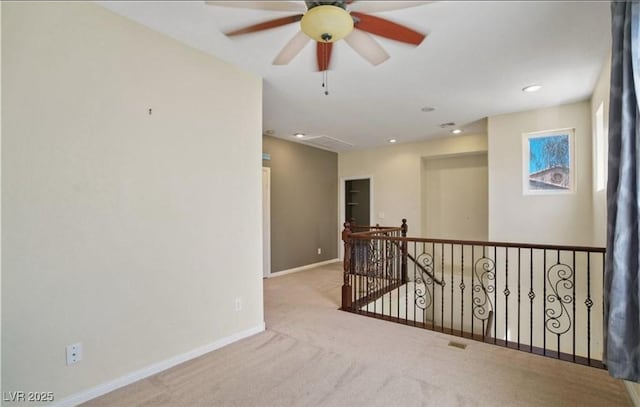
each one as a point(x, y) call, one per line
point(428, 109)
point(299, 135)
point(445, 125)
point(392, 141)
point(532, 88)
point(456, 131)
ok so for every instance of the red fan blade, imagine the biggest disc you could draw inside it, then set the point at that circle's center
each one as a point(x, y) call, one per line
point(266, 25)
point(385, 28)
point(323, 52)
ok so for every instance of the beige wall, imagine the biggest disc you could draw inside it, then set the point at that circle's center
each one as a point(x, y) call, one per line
point(0, 195)
point(395, 173)
point(600, 96)
point(550, 219)
point(131, 233)
point(454, 196)
point(304, 187)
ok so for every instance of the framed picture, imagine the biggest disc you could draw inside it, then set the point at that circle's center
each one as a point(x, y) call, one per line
point(548, 162)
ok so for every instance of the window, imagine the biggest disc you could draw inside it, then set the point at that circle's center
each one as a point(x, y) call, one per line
point(601, 145)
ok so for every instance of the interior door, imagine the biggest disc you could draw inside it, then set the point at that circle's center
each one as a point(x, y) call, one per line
point(266, 221)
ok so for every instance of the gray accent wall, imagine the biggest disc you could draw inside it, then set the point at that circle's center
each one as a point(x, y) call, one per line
point(304, 196)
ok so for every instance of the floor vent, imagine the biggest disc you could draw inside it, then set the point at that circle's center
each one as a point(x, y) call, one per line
point(458, 345)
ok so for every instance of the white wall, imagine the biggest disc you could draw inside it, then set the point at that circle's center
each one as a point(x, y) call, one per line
point(454, 196)
point(396, 175)
point(550, 219)
point(131, 233)
point(600, 97)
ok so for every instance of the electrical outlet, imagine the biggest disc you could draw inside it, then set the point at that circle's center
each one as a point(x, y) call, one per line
point(319, 250)
point(238, 304)
point(74, 353)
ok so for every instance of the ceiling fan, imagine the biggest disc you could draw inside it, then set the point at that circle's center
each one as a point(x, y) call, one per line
point(329, 21)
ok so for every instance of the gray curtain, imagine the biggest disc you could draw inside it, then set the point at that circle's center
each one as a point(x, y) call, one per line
point(622, 281)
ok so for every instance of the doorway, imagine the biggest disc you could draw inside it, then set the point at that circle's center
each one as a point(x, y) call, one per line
point(364, 195)
point(266, 221)
point(357, 201)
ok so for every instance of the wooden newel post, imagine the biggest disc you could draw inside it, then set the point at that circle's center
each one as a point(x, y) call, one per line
point(403, 230)
point(346, 288)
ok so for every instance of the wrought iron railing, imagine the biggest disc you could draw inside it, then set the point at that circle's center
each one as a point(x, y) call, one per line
point(374, 266)
point(542, 299)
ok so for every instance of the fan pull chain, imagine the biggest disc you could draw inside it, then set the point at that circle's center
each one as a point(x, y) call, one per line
point(325, 59)
point(326, 82)
point(325, 73)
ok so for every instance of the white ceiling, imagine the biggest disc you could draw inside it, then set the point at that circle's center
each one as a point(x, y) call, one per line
point(477, 57)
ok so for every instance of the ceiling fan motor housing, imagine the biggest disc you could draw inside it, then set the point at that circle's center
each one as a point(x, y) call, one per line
point(327, 23)
point(315, 3)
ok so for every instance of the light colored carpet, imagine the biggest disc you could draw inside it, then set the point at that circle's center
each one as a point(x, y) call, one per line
point(314, 355)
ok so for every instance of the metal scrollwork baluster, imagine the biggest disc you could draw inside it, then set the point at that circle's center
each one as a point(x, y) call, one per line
point(390, 257)
point(358, 260)
point(374, 258)
point(485, 272)
point(423, 283)
point(557, 318)
point(372, 266)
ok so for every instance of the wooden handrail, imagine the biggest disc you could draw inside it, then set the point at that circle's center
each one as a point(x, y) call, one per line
point(375, 227)
point(375, 232)
point(360, 236)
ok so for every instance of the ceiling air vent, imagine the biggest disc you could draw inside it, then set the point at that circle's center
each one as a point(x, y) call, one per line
point(327, 143)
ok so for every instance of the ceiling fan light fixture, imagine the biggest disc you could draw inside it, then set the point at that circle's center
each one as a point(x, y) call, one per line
point(326, 23)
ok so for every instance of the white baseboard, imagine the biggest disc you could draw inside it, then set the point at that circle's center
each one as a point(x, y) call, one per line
point(302, 268)
point(132, 377)
point(634, 392)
